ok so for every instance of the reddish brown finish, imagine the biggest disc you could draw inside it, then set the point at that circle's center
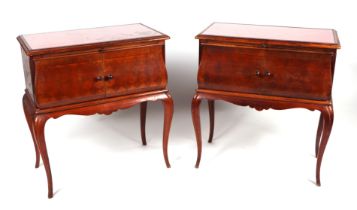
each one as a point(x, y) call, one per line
point(169, 110)
point(29, 113)
point(135, 70)
point(211, 119)
point(318, 134)
point(276, 35)
point(195, 108)
point(267, 70)
point(28, 73)
point(143, 108)
point(93, 78)
point(69, 79)
point(84, 39)
point(328, 116)
point(277, 72)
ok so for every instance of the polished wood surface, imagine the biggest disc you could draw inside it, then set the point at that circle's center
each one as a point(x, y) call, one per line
point(124, 66)
point(91, 36)
point(288, 72)
point(135, 70)
point(275, 72)
point(233, 31)
point(98, 75)
point(76, 75)
point(68, 79)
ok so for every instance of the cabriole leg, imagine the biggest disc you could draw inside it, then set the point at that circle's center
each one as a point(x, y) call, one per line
point(39, 131)
point(30, 123)
point(168, 113)
point(195, 108)
point(318, 135)
point(143, 108)
point(211, 119)
point(327, 113)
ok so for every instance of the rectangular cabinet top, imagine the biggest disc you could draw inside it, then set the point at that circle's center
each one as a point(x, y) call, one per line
point(304, 37)
point(53, 42)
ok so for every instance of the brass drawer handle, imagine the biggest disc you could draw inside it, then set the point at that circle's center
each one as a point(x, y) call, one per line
point(259, 74)
point(108, 77)
point(99, 78)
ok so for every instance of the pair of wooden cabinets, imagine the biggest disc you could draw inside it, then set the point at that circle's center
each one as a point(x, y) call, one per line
point(104, 69)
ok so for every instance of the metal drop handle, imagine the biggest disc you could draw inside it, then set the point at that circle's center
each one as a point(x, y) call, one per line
point(99, 78)
point(109, 77)
point(267, 74)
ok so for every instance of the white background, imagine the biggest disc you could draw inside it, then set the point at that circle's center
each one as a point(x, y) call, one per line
point(259, 160)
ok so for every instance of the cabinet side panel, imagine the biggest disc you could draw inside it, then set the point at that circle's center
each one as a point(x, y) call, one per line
point(333, 62)
point(29, 75)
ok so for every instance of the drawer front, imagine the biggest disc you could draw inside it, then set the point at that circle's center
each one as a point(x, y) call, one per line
point(69, 79)
point(285, 73)
point(135, 70)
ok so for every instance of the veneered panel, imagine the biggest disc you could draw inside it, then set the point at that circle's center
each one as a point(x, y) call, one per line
point(69, 79)
point(266, 71)
point(135, 70)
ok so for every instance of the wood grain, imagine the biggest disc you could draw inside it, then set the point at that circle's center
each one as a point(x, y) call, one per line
point(93, 71)
point(267, 67)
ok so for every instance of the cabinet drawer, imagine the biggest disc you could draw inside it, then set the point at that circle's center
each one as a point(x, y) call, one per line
point(279, 72)
point(69, 79)
point(135, 70)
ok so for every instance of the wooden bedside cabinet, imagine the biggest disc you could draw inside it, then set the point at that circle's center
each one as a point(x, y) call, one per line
point(92, 71)
point(267, 67)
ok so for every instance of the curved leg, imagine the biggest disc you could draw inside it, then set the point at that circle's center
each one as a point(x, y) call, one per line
point(327, 113)
point(318, 135)
point(211, 119)
point(39, 131)
point(195, 109)
point(168, 113)
point(143, 107)
point(29, 119)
